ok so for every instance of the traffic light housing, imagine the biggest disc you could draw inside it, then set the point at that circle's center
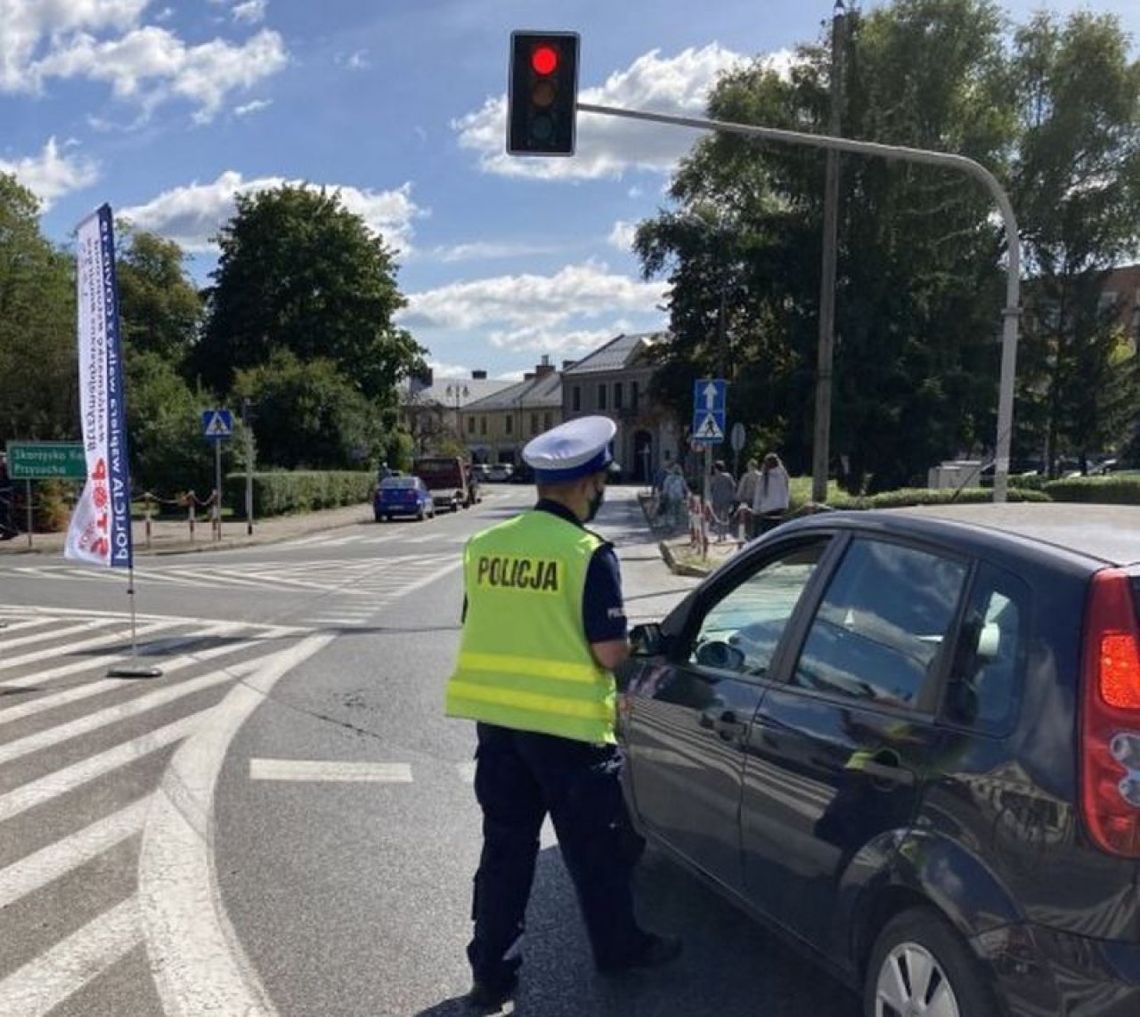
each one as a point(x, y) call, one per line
point(543, 93)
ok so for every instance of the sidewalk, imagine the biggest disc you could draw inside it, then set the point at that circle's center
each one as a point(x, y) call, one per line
point(173, 536)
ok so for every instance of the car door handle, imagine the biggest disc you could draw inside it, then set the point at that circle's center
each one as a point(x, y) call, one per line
point(723, 723)
point(888, 773)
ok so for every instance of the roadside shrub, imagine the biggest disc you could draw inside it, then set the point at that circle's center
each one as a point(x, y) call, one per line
point(280, 493)
point(907, 496)
point(1096, 490)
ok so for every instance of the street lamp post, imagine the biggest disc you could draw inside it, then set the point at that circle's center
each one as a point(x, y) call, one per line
point(459, 393)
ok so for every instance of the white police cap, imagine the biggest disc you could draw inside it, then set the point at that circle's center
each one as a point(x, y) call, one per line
point(571, 450)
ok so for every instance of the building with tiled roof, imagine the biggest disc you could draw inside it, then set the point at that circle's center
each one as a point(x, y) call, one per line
point(430, 408)
point(495, 427)
point(614, 381)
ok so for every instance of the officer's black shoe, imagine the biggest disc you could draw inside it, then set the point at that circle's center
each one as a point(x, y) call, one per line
point(486, 998)
point(654, 951)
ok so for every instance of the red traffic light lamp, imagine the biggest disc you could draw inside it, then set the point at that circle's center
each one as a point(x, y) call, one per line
point(543, 95)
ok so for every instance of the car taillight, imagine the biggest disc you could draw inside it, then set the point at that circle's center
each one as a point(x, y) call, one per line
point(1110, 726)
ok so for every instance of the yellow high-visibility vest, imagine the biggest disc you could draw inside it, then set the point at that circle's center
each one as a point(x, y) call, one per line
point(524, 662)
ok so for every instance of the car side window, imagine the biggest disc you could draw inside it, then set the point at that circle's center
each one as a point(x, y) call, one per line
point(741, 630)
point(990, 657)
point(880, 629)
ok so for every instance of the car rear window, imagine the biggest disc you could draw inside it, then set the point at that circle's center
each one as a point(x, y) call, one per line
point(389, 483)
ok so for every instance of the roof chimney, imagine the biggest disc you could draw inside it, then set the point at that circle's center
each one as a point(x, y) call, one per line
point(478, 375)
point(567, 364)
point(545, 368)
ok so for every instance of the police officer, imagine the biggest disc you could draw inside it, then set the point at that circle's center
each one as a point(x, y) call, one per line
point(543, 628)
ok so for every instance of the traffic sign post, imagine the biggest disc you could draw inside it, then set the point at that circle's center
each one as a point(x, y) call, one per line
point(708, 410)
point(217, 425)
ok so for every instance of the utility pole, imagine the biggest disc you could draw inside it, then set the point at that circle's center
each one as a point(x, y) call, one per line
point(821, 442)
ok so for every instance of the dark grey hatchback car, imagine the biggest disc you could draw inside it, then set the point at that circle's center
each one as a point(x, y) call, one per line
point(911, 743)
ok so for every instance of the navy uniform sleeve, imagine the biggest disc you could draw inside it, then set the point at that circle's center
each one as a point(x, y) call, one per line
point(603, 614)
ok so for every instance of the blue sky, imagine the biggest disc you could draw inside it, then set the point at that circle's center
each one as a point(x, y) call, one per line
point(166, 108)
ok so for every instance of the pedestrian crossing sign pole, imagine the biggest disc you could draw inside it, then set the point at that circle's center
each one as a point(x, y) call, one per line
point(217, 425)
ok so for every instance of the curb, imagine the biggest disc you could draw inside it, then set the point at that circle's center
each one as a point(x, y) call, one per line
point(679, 568)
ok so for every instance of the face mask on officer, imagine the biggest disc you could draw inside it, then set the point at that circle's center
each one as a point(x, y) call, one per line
point(595, 502)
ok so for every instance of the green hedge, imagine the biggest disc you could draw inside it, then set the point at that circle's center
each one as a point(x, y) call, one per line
point(276, 494)
point(931, 496)
point(1101, 490)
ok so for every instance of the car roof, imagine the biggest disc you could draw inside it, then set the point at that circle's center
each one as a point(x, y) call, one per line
point(1098, 534)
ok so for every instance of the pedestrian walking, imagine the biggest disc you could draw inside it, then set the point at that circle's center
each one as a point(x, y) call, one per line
point(773, 492)
point(675, 492)
point(745, 496)
point(544, 626)
point(722, 495)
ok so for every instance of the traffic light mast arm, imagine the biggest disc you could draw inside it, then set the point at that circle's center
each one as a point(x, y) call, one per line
point(921, 155)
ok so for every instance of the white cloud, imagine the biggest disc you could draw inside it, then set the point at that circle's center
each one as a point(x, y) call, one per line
point(607, 146)
point(441, 370)
point(50, 174)
point(483, 250)
point(536, 312)
point(105, 40)
point(252, 107)
point(151, 65)
point(621, 236)
point(357, 61)
point(191, 215)
point(251, 11)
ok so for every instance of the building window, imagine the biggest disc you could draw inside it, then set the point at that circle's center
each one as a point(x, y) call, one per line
point(510, 424)
point(601, 397)
point(546, 421)
point(617, 395)
point(576, 397)
point(470, 425)
point(482, 425)
point(633, 393)
point(534, 423)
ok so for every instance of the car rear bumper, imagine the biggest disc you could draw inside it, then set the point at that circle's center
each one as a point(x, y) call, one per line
point(1040, 970)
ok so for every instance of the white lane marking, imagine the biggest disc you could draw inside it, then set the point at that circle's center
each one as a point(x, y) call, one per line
point(120, 711)
point(466, 772)
point(86, 644)
point(28, 796)
point(96, 663)
point(38, 637)
point(38, 869)
point(329, 769)
point(29, 624)
point(196, 958)
point(42, 984)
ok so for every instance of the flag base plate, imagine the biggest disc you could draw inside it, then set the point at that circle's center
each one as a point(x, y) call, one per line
point(134, 671)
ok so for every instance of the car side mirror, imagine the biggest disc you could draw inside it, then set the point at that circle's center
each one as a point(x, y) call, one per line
point(648, 640)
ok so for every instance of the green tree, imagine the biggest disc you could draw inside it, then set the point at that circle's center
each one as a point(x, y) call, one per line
point(918, 277)
point(38, 362)
point(160, 307)
point(300, 273)
point(1076, 186)
point(308, 415)
point(168, 453)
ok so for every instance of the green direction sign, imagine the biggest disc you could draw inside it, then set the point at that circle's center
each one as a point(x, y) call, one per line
point(39, 460)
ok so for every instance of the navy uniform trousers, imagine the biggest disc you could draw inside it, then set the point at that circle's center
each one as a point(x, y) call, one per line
point(520, 777)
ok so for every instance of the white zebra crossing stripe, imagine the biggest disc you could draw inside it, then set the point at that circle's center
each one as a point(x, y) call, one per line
point(28, 796)
point(8, 644)
point(86, 644)
point(42, 984)
point(121, 711)
point(329, 769)
point(37, 870)
point(169, 666)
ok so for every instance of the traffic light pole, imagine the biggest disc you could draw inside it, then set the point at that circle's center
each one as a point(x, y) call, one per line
point(1010, 313)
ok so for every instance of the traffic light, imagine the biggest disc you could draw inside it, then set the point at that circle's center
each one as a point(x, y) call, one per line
point(543, 93)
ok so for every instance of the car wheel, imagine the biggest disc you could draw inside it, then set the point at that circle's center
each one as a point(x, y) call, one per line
point(420, 515)
point(920, 965)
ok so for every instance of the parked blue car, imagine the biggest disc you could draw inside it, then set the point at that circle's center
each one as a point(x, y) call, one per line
point(402, 496)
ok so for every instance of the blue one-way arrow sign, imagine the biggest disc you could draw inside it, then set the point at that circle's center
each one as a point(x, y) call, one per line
point(709, 395)
point(217, 424)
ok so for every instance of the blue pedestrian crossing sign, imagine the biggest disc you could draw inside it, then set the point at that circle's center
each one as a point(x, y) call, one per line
point(217, 424)
point(709, 396)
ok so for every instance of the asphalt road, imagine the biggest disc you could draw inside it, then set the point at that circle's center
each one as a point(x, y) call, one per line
point(342, 897)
